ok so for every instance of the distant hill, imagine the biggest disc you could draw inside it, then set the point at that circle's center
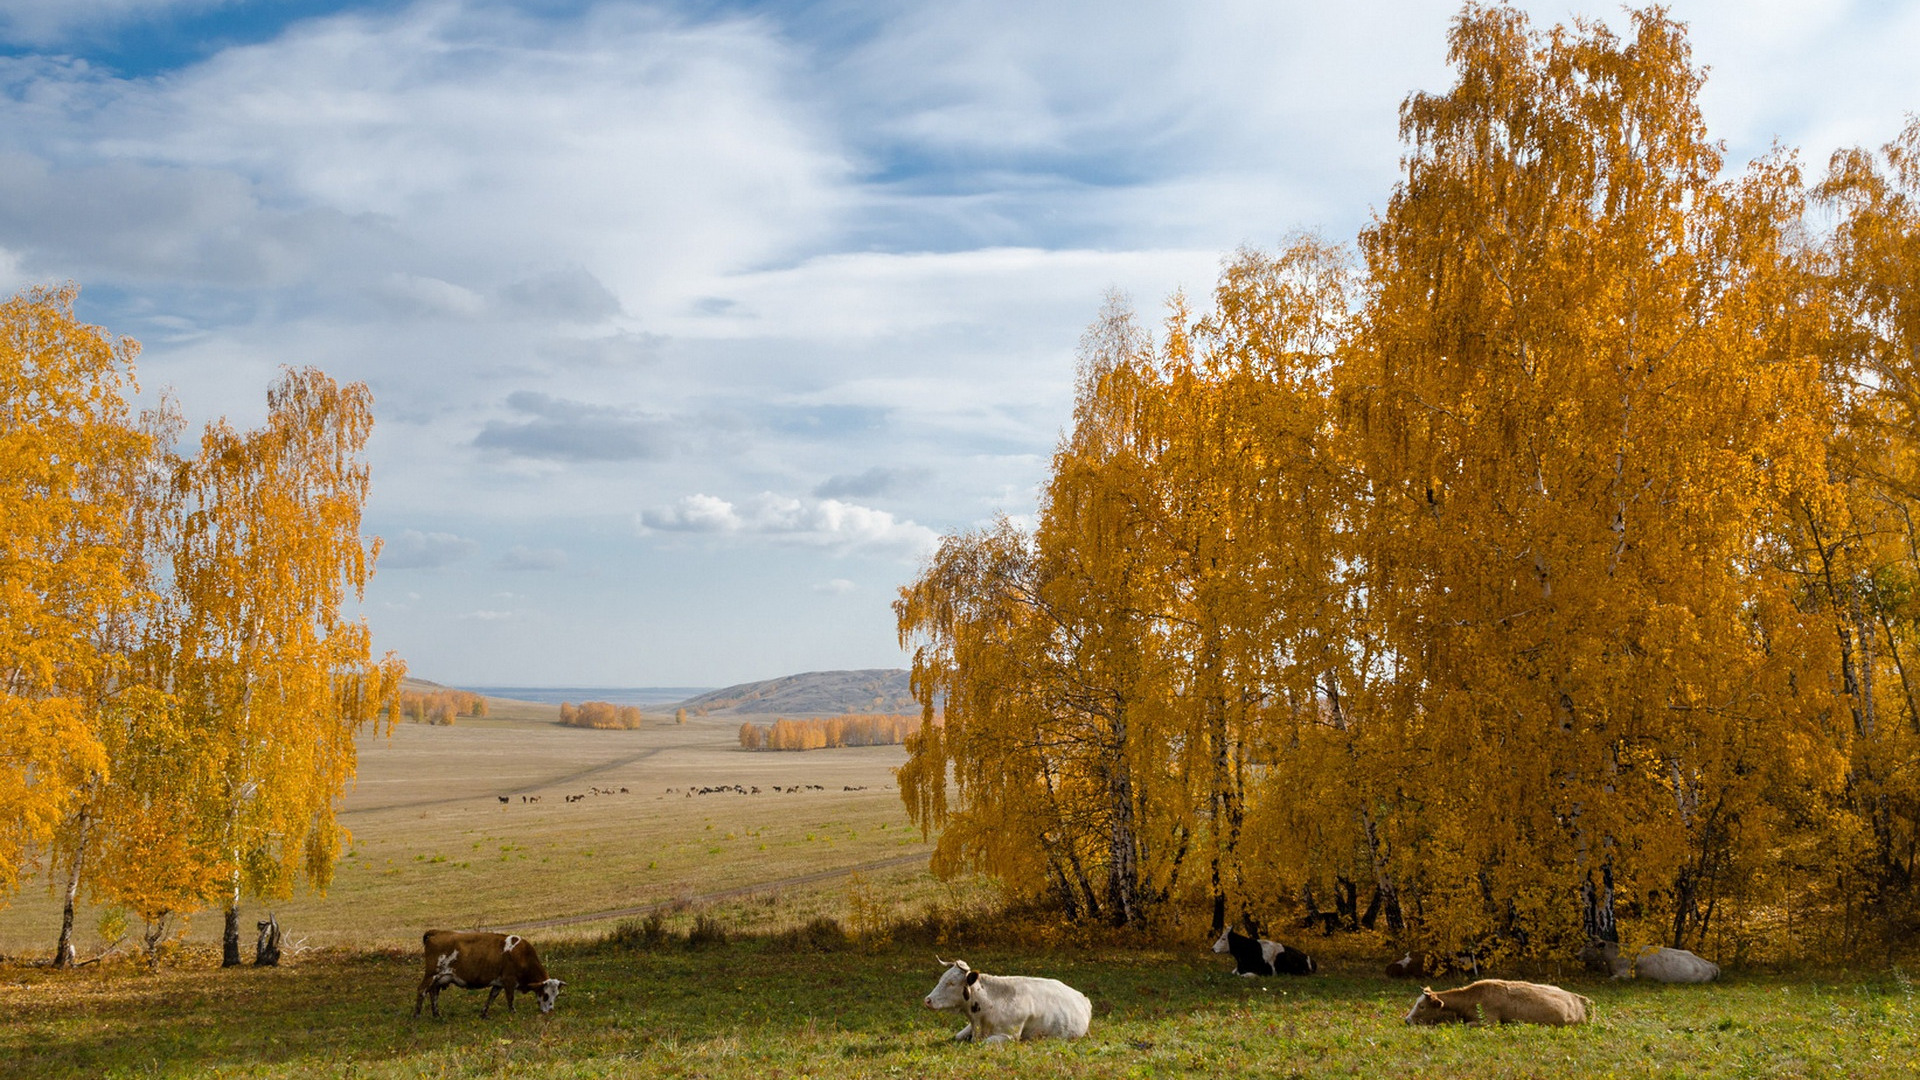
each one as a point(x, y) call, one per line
point(813, 693)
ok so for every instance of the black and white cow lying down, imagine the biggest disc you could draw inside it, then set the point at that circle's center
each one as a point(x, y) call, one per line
point(1258, 956)
point(1003, 1008)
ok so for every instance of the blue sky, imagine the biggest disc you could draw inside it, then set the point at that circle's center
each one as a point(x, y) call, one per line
point(691, 326)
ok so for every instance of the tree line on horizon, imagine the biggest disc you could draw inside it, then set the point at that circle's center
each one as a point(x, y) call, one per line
point(179, 689)
point(827, 732)
point(603, 715)
point(440, 707)
point(1548, 571)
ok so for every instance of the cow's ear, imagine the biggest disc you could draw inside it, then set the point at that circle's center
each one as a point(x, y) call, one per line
point(972, 977)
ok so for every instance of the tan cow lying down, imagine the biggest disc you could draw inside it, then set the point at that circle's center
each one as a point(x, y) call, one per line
point(1500, 1001)
point(1002, 1008)
point(1653, 962)
point(473, 959)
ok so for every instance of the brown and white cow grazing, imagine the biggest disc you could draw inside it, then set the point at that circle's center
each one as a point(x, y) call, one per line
point(471, 959)
point(1500, 1001)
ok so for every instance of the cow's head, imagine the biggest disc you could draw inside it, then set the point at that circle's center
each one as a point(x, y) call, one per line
point(1221, 945)
point(1604, 958)
point(547, 993)
point(1430, 1009)
point(951, 991)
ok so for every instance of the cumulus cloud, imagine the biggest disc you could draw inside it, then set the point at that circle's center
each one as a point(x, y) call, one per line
point(554, 429)
point(827, 523)
point(524, 558)
point(694, 513)
point(416, 550)
point(836, 587)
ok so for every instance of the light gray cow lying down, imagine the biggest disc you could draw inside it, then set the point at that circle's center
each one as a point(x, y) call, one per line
point(1002, 1008)
point(1653, 962)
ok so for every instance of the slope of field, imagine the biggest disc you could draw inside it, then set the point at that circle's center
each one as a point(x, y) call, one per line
point(472, 825)
point(757, 1010)
point(813, 693)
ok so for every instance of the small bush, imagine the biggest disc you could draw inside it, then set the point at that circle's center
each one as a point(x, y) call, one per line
point(637, 934)
point(823, 933)
point(706, 931)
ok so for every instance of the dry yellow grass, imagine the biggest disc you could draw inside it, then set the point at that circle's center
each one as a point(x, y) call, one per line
point(433, 845)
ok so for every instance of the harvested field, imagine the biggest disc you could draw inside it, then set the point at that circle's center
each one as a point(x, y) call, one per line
point(434, 845)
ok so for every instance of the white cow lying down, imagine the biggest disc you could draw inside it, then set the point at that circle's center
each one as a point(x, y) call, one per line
point(1653, 962)
point(1001, 1008)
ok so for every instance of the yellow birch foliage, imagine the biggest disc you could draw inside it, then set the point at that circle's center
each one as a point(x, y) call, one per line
point(1049, 653)
point(1568, 575)
point(270, 673)
point(1583, 404)
point(68, 445)
point(826, 732)
point(1863, 568)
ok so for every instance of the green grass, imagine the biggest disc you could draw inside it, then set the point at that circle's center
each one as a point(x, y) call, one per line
point(762, 1009)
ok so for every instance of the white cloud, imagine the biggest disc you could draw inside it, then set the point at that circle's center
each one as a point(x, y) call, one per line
point(416, 550)
point(828, 523)
point(836, 587)
point(487, 616)
point(12, 277)
point(42, 22)
point(693, 513)
point(431, 296)
point(876, 294)
point(564, 163)
point(553, 429)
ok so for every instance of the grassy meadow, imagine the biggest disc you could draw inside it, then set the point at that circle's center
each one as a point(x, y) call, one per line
point(769, 1008)
point(826, 899)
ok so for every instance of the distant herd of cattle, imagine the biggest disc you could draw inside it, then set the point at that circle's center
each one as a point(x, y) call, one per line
point(1005, 1008)
point(723, 789)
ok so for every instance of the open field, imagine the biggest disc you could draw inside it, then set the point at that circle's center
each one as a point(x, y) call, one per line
point(756, 1009)
point(433, 845)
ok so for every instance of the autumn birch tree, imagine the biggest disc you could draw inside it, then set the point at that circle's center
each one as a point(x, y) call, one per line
point(1863, 567)
point(71, 449)
point(1569, 581)
point(269, 669)
point(1049, 651)
point(1580, 398)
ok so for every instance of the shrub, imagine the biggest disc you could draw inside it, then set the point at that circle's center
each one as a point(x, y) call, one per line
point(637, 934)
point(822, 933)
point(706, 931)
